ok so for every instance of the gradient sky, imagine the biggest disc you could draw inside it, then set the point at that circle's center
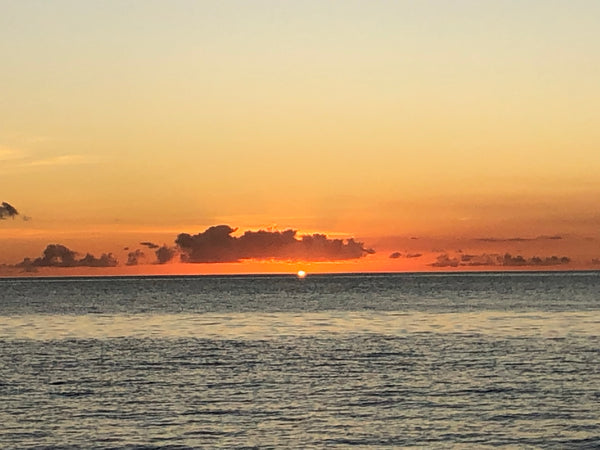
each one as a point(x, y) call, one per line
point(471, 126)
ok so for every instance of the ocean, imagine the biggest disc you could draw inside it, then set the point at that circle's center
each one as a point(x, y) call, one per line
point(469, 360)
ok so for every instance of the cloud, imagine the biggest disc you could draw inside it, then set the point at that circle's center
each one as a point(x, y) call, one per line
point(445, 261)
point(16, 159)
point(216, 244)
point(60, 160)
point(596, 261)
point(522, 239)
point(7, 210)
point(9, 154)
point(165, 254)
point(57, 255)
point(397, 255)
point(506, 260)
point(150, 245)
point(133, 258)
point(483, 259)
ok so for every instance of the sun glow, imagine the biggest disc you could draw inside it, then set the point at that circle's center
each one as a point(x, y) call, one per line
point(301, 274)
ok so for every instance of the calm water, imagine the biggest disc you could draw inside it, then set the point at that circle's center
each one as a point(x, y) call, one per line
point(370, 361)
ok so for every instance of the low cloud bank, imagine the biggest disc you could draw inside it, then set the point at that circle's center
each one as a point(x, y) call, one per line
point(57, 255)
point(397, 255)
point(213, 245)
point(217, 245)
point(506, 260)
point(543, 237)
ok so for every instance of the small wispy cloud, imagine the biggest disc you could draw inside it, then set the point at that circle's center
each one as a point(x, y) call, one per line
point(14, 159)
point(8, 154)
point(60, 160)
point(150, 245)
point(397, 255)
point(544, 237)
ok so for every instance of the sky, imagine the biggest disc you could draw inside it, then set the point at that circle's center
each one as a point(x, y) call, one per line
point(388, 135)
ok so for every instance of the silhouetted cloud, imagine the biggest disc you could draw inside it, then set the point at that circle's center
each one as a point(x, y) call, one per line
point(506, 260)
point(445, 260)
point(484, 259)
point(105, 260)
point(522, 239)
point(57, 255)
point(165, 254)
point(216, 244)
point(150, 245)
point(7, 210)
point(133, 258)
point(596, 261)
point(397, 255)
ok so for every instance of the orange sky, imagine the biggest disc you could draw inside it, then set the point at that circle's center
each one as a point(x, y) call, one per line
point(383, 121)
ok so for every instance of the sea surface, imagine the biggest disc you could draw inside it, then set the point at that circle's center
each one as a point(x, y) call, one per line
point(329, 361)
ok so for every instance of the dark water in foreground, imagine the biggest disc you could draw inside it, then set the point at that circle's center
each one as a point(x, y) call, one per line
point(470, 360)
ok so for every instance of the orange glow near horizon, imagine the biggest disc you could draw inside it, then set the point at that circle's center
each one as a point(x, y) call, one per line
point(417, 128)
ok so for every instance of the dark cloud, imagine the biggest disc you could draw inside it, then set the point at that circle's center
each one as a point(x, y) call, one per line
point(57, 255)
point(150, 245)
point(216, 245)
point(165, 254)
point(445, 261)
point(522, 239)
point(509, 260)
point(133, 258)
point(506, 260)
point(7, 210)
point(105, 260)
point(596, 261)
point(484, 259)
point(397, 255)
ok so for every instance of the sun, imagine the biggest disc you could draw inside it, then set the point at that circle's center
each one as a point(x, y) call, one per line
point(301, 274)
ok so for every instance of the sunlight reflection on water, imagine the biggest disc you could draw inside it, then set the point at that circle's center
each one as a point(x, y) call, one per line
point(273, 325)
